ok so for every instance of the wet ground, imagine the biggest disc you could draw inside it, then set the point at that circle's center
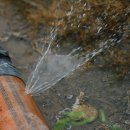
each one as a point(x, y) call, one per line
point(101, 86)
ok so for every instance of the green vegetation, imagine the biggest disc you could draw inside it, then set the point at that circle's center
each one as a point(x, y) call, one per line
point(72, 118)
point(105, 122)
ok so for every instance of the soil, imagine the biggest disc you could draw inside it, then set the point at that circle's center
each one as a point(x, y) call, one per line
point(102, 88)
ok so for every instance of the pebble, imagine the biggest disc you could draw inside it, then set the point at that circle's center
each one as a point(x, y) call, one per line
point(127, 122)
point(58, 94)
point(69, 97)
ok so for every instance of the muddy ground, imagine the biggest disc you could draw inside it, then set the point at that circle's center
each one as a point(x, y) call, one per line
point(101, 86)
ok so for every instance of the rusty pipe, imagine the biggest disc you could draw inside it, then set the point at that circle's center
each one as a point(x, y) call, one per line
point(18, 110)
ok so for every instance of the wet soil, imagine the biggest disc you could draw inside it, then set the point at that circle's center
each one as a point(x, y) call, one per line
point(101, 86)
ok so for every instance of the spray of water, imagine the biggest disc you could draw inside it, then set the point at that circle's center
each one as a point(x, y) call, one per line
point(54, 65)
point(34, 79)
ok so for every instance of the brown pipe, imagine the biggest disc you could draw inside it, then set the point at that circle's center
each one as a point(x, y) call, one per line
point(18, 111)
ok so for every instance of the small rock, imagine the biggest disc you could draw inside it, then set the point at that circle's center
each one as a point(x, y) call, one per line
point(104, 79)
point(43, 105)
point(127, 122)
point(69, 97)
point(59, 94)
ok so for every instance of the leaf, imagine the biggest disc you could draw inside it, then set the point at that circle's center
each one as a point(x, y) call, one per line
point(78, 118)
point(102, 116)
point(115, 127)
point(81, 122)
point(74, 115)
point(60, 124)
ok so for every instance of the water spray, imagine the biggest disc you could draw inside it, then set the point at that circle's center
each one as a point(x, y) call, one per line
point(54, 66)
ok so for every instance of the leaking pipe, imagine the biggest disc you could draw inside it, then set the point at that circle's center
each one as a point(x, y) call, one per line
point(18, 110)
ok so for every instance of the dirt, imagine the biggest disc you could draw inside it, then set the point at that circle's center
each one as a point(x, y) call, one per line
point(102, 88)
